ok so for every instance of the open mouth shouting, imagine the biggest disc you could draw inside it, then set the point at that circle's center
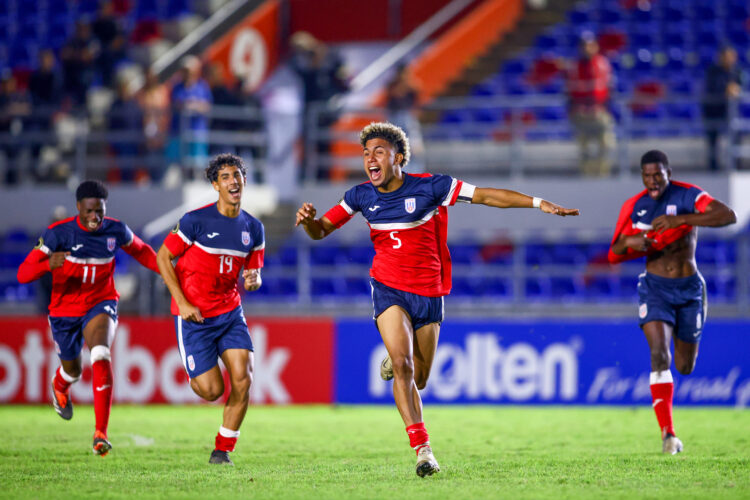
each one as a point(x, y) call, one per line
point(235, 192)
point(375, 173)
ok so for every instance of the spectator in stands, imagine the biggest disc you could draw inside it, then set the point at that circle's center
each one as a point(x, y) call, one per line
point(15, 108)
point(324, 77)
point(126, 125)
point(226, 98)
point(191, 103)
point(589, 81)
point(112, 43)
point(724, 81)
point(154, 101)
point(401, 98)
point(45, 90)
point(78, 56)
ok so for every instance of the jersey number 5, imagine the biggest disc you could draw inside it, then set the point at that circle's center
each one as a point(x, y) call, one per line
point(396, 239)
point(225, 259)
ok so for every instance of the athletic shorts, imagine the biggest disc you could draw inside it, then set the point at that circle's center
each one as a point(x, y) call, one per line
point(67, 331)
point(201, 344)
point(681, 302)
point(422, 310)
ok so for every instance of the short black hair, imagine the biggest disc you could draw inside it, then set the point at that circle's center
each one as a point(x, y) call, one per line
point(222, 160)
point(391, 133)
point(655, 156)
point(91, 189)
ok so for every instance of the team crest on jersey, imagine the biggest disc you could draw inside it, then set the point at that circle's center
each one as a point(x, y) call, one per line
point(642, 311)
point(191, 362)
point(111, 244)
point(410, 204)
point(671, 209)
point(245, 238)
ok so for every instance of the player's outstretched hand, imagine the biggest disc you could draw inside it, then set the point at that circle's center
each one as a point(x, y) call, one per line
point(57, 259)
point(305, 214)
point(189, 312)
point(551, 208)
point(252, 279)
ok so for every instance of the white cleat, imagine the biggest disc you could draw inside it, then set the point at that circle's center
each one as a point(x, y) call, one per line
point(426, 463)
point(386, 368)
point(671, 445)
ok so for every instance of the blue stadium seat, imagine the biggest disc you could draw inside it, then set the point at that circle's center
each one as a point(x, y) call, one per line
point(360, 254)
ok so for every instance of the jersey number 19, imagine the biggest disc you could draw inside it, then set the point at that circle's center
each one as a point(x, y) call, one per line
point(225, 259)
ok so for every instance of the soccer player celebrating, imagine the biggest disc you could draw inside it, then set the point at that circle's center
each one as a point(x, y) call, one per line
point(660, 223)
point(214, 244)
point(80, 253)
point(411, 271)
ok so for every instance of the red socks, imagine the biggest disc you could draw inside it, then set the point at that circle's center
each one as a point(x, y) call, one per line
point(662, 389)
point(418, 436)
point(102, 385)
point(60, 383)
point(226, 439)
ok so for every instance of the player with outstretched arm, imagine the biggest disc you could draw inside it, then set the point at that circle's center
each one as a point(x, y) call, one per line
point(214, 243)
point(411, 270)
point(80, 253)
point(661, 223)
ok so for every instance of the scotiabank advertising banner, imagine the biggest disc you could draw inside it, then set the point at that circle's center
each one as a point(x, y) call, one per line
point(148, 369)
point(548, 362)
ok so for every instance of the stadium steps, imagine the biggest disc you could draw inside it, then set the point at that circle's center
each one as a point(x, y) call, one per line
point(279, 226)
point(532, 24)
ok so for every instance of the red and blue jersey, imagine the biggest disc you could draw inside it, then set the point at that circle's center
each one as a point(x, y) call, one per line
point(409, 229)
point(638, 213)
point(213, 249)
point(87, 276)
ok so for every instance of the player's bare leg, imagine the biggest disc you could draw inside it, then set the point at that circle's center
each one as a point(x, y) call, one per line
point(239, 363)
point(398, 336)
point(99, 334)
point(659, 334)
point(425, 346)
point(685, 356)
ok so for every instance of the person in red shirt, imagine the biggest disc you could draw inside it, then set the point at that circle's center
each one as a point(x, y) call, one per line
point(79, 251)
point(411, 271)
point(216, 244)
point(589, 80)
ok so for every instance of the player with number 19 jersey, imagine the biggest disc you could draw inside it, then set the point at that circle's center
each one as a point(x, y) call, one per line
point(408, 228)
point(213, 249)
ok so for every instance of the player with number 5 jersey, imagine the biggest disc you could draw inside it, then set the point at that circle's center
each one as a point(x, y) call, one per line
point(411, 271)
point(215, 245)
point(80, 253)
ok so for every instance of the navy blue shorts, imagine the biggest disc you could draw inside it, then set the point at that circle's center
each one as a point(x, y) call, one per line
point(422, 310)
point(67, 331)
point(201, 344)
point(681, 302)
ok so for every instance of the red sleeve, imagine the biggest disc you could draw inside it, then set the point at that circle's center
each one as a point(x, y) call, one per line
point(176, 244)
point(143, 253)
point(338, 216)
point(33, 267)
point(702, 201)
point(254, 259)
point(625, 228)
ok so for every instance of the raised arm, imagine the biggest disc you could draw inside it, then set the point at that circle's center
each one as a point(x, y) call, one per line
point(504, 198)
point(38, 263)
point(316, 229)
point(188, 311)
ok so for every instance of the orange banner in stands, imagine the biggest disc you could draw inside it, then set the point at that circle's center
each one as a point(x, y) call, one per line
point(250, 50)
point(447, 57)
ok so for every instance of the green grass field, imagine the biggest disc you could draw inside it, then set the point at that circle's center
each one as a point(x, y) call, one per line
point(362, 452)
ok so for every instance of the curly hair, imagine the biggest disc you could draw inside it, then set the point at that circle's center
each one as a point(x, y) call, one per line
point(655, 156)
point(391, 133)
point(91, 189)
point(223, 160)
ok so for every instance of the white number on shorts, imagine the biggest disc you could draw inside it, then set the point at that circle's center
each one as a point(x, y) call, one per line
point(394, 238)
point(225, 259)
point(86, 273)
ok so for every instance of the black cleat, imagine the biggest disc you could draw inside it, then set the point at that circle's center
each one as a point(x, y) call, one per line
point(62, 403)
point(220, 457)
point(101, 446)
